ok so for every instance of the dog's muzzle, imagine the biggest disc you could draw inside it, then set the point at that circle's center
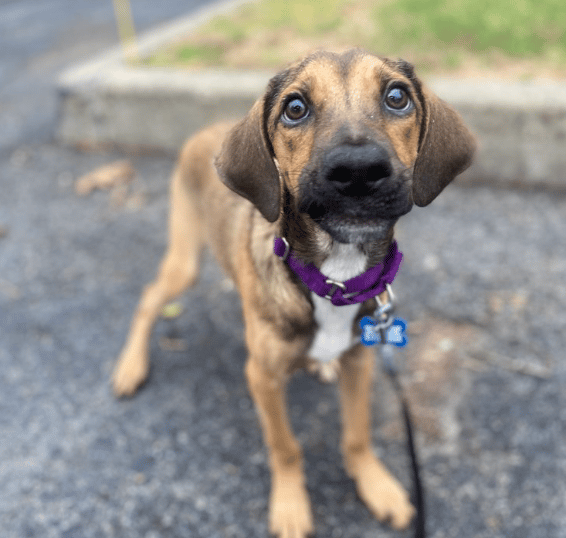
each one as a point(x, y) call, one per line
point(357, 192)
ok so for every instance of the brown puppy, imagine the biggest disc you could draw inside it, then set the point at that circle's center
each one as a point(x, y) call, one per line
point(338, 148)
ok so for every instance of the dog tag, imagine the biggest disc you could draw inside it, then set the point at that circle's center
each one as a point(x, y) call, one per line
point(395, 333)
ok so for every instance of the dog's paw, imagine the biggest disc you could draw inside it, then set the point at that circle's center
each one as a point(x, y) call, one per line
point(128, 375)
point(289, 509)
point(381, 492)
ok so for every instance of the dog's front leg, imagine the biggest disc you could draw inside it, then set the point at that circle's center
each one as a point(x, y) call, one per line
point(381, 492)
point(178, 270)
point(289, 505)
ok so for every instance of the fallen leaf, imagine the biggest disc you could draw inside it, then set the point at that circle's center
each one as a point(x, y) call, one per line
point(172, 310)
point(106, 177)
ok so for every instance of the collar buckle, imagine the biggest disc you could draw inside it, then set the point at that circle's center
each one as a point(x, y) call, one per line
point(335, 285)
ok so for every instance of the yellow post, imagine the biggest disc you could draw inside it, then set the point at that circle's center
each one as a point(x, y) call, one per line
point(126, 29)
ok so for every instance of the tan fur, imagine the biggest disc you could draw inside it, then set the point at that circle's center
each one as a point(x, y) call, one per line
point(278, 312)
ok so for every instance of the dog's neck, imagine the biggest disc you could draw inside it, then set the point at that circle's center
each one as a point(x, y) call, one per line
point(313, 245)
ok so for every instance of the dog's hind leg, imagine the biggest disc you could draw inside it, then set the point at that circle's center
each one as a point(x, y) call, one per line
point(178, 270)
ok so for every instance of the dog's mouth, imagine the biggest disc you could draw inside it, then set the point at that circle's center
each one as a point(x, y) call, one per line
point(355, 219)
point(349, 229)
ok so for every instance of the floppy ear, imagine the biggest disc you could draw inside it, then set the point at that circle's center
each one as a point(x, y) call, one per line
point(246, 166)
point(446, 149)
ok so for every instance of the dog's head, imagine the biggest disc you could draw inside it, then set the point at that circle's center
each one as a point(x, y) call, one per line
point(349, 140)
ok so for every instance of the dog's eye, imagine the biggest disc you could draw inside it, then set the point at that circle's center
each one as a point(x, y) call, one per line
point(295, 110)
point(398, 99)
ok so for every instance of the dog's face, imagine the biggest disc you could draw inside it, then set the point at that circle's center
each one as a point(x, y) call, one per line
point(350, 141)
point(345, 133)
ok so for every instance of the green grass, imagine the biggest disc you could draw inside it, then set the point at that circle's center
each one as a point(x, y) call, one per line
point(306, 17)
point(434, 34)
point(518, 28)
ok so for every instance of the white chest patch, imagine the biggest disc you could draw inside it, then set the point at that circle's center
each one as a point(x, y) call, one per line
point(334, 334)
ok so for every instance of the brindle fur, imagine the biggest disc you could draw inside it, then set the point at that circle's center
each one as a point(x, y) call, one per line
point(271, 171)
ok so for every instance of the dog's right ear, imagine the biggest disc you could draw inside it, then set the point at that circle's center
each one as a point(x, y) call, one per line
point(245, 163)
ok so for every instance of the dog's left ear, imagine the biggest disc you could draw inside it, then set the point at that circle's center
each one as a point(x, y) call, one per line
point(246, 166)
point(446, 150)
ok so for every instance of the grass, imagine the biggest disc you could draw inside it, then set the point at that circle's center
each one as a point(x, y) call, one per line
point(519, 37)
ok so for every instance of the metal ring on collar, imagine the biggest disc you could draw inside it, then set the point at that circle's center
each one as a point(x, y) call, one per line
point(287, 249)
point(335, 285)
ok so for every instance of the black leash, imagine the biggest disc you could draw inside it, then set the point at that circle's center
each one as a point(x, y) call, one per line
point(389, 333)
point(387, 353)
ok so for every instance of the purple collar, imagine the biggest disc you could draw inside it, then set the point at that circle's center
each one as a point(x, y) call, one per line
point(352, 291)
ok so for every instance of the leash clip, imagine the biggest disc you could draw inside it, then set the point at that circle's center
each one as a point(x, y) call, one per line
point(387, 307)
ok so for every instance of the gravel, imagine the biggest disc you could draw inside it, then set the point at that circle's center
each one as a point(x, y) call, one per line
point(185, 457)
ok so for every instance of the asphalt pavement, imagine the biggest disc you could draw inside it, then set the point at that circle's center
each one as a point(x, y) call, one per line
point(483, 285)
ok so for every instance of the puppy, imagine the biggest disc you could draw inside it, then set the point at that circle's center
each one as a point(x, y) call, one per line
point(337, 149)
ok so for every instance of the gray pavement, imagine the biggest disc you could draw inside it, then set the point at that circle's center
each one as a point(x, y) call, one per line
point(38, 38)
point(483, 283)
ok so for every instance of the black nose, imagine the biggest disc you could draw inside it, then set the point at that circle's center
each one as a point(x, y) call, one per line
point(357, 170)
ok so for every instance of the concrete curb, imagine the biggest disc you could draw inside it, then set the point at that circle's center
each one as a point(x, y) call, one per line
point(521, 126)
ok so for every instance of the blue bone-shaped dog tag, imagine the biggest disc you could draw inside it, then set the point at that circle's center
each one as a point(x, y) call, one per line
point(394, 334)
